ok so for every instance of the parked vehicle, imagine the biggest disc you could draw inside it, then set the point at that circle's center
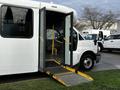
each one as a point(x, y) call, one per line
point(112, 42)
point(25, 42)
point(98, 35)
point(92, 34)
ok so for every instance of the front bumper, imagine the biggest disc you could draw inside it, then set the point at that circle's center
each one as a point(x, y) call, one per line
point(98, 58)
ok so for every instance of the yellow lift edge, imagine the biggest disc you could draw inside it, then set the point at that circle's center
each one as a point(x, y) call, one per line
point(78, 72)
point(61, 77)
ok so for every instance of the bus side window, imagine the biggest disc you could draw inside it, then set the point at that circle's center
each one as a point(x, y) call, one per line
point(17, 22)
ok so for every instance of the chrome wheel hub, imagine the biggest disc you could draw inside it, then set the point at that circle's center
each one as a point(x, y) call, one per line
point(87, 62)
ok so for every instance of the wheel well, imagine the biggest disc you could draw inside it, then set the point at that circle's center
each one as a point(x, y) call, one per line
point(89, 53)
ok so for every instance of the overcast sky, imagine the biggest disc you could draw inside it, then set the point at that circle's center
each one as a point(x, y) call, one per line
point(113, 5)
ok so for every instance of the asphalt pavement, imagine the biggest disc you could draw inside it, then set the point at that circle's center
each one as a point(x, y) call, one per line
point(109, 60)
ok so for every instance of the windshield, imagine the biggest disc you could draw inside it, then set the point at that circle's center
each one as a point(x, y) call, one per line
point(91, 37)
point(80, 37)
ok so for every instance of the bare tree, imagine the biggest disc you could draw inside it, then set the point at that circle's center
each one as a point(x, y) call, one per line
point(80, 26)
point(99, 19)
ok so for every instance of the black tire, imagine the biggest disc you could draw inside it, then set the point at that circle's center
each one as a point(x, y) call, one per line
point(86, 59)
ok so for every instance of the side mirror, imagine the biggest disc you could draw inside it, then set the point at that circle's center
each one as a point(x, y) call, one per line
point(75, 41)
point(95, 42)
point(100, 35)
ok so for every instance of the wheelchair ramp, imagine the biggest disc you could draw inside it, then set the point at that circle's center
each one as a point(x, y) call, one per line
point(68, 76)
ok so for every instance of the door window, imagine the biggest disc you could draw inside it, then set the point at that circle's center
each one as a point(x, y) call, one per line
point(75, 40)
point(113, 37)
point(116, 36)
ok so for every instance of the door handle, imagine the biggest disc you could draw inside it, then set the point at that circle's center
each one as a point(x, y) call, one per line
point(111, 41)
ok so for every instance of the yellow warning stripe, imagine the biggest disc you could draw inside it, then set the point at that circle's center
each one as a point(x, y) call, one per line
point(78, 72)
point(56, 78)
point(62, 82)
point(57, 62)
point(48, 72)
point(85, 75)
point(70, 69)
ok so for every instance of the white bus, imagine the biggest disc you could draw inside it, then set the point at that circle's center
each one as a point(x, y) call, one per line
point(34, 33)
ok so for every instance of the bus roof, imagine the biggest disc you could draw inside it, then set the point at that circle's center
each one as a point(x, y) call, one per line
point(38, 5)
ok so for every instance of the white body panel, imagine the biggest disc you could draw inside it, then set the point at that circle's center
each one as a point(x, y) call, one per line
point(19, 55)
point(56, 8)
point(95, 31)
point(83, 46)
point(108, 44)
point(22, 3)
point(113, 43)
point(38, 5)
point(116, 43)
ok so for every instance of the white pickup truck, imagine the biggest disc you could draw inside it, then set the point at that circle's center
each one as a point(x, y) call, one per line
point(112, 42)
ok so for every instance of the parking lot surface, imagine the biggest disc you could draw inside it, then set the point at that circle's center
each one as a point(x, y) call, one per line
point(109, 60)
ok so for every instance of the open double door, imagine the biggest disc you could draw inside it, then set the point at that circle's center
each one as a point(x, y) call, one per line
point(62, 47)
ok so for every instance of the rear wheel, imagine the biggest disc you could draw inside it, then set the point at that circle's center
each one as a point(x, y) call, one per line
point(86, 62)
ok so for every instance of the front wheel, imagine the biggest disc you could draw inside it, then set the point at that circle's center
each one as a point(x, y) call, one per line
point(86, 62)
